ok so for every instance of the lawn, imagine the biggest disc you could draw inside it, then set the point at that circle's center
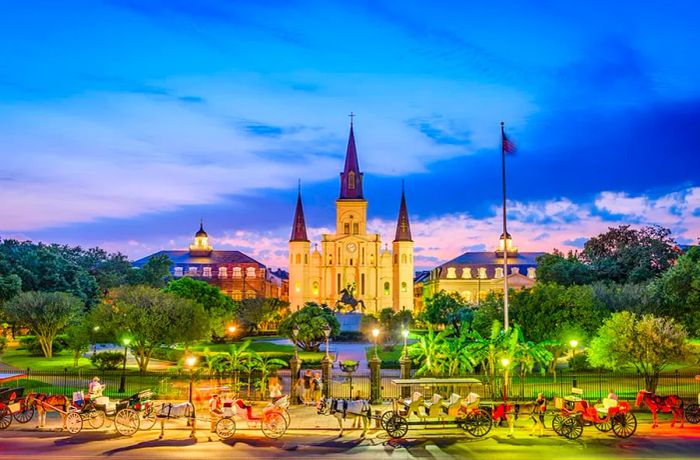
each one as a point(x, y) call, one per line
point(284, 352)
point(19, 358)
point(390, 356)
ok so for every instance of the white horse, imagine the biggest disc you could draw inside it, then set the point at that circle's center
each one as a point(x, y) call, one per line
point(343, 409)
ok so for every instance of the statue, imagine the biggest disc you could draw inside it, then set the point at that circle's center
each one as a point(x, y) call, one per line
point(347, 299)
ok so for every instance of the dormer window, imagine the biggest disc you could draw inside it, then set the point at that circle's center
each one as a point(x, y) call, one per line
point(178, 271)
point(466, 273)
point(192, 271)
point(499, 272)
point(206, 272)
point(531, 273)
point(451, 272)
point(223, 272)
point(482, 273)
point(250, 272)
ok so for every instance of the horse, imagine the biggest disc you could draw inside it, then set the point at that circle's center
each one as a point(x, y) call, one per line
point(654, 402)
point(46, 403)
point(184, 410)
point(343, 409)
point(348, 299)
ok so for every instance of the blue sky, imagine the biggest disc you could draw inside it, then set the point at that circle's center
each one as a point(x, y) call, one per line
point(124, 122)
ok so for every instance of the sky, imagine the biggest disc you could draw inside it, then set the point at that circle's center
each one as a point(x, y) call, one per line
point(124, 122)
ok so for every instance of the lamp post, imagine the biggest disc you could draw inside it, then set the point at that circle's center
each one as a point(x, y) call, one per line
point(505, 362)
point(327, 363)
point(404, 333)
point(295, 334)
point(574, 344)
point(94, 339)
point(375, 334)
point(190, 361)
point(405, 364)
point(327, 332)
point(122, 380)
point(294, 364)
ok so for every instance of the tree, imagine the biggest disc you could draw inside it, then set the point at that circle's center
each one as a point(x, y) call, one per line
point(638, 298)
point(565, 270)
point(623, 254)
point(220, 309)
point(78, 337)
point(428, 351)
point(154, 273)
point(45, 313)
point(150, 318)
point(392, 323)
point(258, 313)
point(678, 291)
point(444, 308)
point(649, 343)
point(489, 310)
point(311, 319)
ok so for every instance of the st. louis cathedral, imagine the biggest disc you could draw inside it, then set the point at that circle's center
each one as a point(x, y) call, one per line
point(351, 264)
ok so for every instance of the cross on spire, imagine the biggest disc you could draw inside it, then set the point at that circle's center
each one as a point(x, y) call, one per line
point(352, 118)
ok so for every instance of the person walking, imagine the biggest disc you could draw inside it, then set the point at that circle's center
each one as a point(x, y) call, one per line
point(308, 377)
point(215, 410)
point(538, 410)
point(275, 387)
point(299, 390)
point(317, 387)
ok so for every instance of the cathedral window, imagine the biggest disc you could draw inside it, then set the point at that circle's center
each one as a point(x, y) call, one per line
point(250, 272)
point(297, 286)
point(355, 229)
point(314, 287)
point(404, 258)
point(338, 285)
point(351, 180)
point(306, 258)
point(451, 272)
point(297, 258)
point(387, 288)
point(236, 272)
point(346, 228)
point(178, 271)
point(223, 273)
point(206, 272)
point(404, 287)
point(362, 284)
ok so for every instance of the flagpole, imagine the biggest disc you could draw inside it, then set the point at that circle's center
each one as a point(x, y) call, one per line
point(505, 231)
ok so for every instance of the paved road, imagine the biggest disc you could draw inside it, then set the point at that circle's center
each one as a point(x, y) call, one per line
point(321, 442)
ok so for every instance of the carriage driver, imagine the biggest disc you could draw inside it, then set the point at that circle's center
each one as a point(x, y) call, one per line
point(95, 388)
point(215, 410)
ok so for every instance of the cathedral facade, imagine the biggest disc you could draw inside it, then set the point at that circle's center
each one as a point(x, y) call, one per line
point(351, 264)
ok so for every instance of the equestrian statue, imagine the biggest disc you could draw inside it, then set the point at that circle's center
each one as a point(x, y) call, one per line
point(348, 300)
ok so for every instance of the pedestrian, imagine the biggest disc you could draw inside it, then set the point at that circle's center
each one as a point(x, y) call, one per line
point(317, 389)
point(611, 394)
point(299, 391)
point(215, 410)
point(308, 377)
point(275, 387)
point(95, 388)
point(538, 410)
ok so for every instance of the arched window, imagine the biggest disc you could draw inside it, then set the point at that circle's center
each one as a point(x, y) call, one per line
point(404, 258)
point(451, 272)
point(250, 272)
point(404, 287)
point(346, 228)
point(223, 273)
point(236, 272)
point(297, 258)
point(387, 288)
point(306, 258)
point(314, 287)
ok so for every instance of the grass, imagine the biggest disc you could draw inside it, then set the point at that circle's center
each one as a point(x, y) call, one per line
point(390, 356)
point(18, 357)
point(284, 352)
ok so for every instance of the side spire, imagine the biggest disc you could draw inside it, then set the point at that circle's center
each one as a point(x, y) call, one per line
point(299, 225)
point(351, 177)
point(403, 226)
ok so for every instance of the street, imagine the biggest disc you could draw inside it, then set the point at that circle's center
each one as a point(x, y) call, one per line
point(321, 441)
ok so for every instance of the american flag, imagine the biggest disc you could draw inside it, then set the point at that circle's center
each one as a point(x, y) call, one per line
point(508, 145)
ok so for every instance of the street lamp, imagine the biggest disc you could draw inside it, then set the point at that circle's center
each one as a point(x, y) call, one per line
point(505, 362)
point(190, 361)
point(574, 344)
point(232, 329)
point(122, 380)
point(404, 333)
point(327, 332)
point(295, 334)
point(375, 334)
point(94, 339)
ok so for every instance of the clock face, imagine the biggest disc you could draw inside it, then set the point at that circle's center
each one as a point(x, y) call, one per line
point(351, 247)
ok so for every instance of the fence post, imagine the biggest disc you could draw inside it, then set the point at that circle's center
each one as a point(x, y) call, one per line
point(375, 380)
point(676, 374)
point(294, 367)
point(65, 380)
point(327, 374)
point(405, 363)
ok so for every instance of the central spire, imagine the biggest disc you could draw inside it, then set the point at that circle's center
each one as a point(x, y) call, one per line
point(299, 225)
point(351, 177)
point(403, 227)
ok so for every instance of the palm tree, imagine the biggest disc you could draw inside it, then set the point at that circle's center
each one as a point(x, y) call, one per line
point(428, 350)
point(267, 365)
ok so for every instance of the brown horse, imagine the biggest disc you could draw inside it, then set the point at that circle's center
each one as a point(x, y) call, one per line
point(46, 403)
point(654, 402)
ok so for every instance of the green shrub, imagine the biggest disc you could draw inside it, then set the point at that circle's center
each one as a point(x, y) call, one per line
point(107, 360)
point(168, 354)
point(580, 363)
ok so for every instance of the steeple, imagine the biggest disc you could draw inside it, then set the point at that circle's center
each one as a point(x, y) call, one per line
point(351, 177)
point(403, 227)
point(299, 226)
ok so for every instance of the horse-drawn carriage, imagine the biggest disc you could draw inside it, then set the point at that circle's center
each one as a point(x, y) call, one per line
point(13, 406)
point(574, 412)
point(692, 410)
point(129, 414)
point(433, 409)
point(273, 420)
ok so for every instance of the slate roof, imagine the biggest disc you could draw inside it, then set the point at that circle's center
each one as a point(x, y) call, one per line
point(490, 261)
point(217, 257)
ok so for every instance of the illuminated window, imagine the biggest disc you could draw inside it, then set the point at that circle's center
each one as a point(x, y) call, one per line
point(466, 272)
point(404, 287)
point(236, 272)
point(250, 272)
point(297, 286)
point(178, 271)
point(482, 272)
point(192, 271)
point(355, 228)
point(467, 295)
point(351, 180)
point(297, 258)
point(531, 273)
point(315, 288)
point(451, 272)
point(387, 288)
point(223, 273)
point(499, 272)
point(206, 272)
point(236, 295)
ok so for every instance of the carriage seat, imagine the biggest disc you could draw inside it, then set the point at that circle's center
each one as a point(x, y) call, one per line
point(228, 409)
point(412, 406)
point(433, 407)
point(452, 405)
point(607, 404)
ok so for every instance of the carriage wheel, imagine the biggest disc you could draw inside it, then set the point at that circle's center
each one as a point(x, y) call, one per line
point(74, 422)
point(148, 419)
point(692, 413)
point(25, 414)
point(385, 418)
point(225, 428)
point(572, 427)
point(477, 423)
point(397, 427)
point(273, 425)
point(5, 418)
point(624, 424)
point(97, 419)
point(557, 422)
point(603, 426)
point(127, 422)
point(287, 417)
